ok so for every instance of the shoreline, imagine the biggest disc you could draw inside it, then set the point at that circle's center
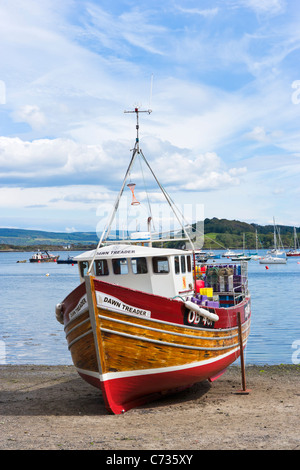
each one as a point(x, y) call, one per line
point(51, 408)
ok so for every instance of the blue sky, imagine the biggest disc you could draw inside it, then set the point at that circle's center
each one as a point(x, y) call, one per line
point(224, 131)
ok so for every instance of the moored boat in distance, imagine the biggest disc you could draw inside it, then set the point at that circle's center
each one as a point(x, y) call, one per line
point(241, 258)
point(229, 254)
point(296, 250)
point(278, 246)
point(42, 257)
point(69, 260)
point(272, 260)
point(137, 325)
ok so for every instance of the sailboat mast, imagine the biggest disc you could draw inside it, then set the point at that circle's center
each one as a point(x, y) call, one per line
point(275, 239)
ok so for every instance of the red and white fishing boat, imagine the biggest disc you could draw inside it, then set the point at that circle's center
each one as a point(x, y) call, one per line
point(139, 326)
point(43, 257)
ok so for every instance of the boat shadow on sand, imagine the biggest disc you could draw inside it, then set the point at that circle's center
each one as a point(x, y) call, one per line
point(72, 397)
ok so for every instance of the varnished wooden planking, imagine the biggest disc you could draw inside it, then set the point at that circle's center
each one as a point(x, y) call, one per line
point(76, 321)
point(169, 336)
point(84, 354)
point(130, 354)
point(79, 335)
point(165, 325)
point(137, 348)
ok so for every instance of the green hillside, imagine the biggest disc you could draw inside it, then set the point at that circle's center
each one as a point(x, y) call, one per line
point(28, 238)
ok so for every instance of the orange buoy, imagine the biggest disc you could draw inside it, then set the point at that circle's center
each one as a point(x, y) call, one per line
point(267, 267)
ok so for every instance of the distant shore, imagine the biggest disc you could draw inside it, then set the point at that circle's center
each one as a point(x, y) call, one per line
point(218, 234)
point(30, 249)
point(51, 407)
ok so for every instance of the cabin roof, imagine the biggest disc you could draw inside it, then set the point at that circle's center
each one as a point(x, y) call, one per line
point(128, 251)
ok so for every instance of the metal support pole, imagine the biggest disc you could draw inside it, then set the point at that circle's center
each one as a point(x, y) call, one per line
point(195, 274)
point(244, 390)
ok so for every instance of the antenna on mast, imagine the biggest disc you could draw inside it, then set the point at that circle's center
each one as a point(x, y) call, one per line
point(137, 111)
point(151, 87)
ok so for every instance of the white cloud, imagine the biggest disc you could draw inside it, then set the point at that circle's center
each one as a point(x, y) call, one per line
point(128, 28)
point(203, 172)
point(206, 13)
point(272, 7)
point(49, 158)
point(260, 134)
point(32, 115)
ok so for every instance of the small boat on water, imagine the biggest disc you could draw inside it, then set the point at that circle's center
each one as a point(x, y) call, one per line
point(137, 326)
point(272, 260)
point(229, 254)
point(255, 255)
point(241, 258)
point(43, 257)
point(296, 250)
point(69, 260)
point(278, 246)
point(213, 255)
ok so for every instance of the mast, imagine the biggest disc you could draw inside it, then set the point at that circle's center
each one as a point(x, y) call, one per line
point(275, 238)
point(137, 111)
point(136, 151)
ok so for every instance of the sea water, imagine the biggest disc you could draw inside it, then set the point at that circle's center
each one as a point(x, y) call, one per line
point(30, 333)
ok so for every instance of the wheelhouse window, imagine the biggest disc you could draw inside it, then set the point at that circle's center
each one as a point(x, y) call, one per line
point(120, 266)
point(183, 264)
point(160, 264)
point(139, 265)
point(176, 264)
point(101, 267)
point(84, 266)
point(189, 264)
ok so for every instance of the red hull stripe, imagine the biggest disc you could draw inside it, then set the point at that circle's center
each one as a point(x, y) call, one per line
point(125, 390)
point(143, 372)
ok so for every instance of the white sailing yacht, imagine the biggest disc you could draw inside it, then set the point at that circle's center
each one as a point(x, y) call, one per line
point(296, 250)
point(278, 246)
point(255, 256)
point(273, 256)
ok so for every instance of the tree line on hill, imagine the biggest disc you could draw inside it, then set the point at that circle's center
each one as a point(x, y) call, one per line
point(230, 234)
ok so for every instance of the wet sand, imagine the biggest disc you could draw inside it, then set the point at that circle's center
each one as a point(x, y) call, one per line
point(52, 408)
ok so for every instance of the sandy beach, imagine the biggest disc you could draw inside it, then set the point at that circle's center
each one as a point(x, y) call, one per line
point(52, 408)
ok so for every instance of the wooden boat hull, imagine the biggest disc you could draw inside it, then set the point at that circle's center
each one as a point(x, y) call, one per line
point(136, 346)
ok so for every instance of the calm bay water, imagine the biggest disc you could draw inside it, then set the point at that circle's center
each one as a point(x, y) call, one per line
point(30, 333)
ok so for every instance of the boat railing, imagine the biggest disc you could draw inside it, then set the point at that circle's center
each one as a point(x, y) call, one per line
point(240, 291)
